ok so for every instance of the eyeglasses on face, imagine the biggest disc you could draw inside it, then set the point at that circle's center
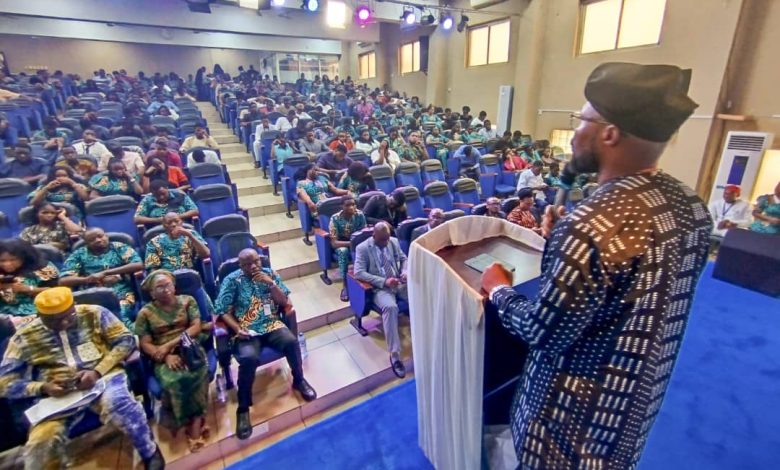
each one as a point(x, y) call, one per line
point(575, 118)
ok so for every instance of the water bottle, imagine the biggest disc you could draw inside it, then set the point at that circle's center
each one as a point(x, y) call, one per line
point(302, 345)
point(221, 398)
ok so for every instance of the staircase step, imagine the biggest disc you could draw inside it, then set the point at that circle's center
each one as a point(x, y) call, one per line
point(220, 132)
point(228, 139)
point(253, 185)
point(244, 170)
point(236, 157)
point(316, 304)
point(276, 227)
point(262, 204)
point(291, 259)
point(232, 147)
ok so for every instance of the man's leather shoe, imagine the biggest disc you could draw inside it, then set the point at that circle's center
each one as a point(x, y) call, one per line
point(398, 368)
point(243, 425)
point(306, 390)
point(155, 462)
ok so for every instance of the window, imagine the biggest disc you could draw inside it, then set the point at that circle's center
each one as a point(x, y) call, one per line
point(614, 24)
point(410, 57)
point(367, 65)
point(489, 44)
point(336, 14)
point(562, 138)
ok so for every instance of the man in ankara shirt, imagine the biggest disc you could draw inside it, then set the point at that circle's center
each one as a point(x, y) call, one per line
point(619, 275)
point(69, 348)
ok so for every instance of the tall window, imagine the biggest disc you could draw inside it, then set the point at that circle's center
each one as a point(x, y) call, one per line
point(367, 65)
point(614, 24)
point(562, 138)
point(489, 44)
point(409, 57)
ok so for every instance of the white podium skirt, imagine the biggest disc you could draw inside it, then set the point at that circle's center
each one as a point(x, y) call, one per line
point(448, 341)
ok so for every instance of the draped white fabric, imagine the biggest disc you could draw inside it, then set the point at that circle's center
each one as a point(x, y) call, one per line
point(448, 341)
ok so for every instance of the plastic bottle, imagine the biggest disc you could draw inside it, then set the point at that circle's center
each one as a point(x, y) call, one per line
point(221, 397)
point(302, 345)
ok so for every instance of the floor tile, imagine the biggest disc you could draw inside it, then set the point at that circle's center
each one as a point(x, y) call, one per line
point(274, 223)
point(343, 328)
point(255, 447)
point(96, 450)
point(259, 200)
point(316, 418)
point(320, 337)
point(330, 368)
point(287, 253)
point(369, 352)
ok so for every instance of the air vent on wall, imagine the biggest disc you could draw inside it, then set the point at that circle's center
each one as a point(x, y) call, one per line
point(745, 142)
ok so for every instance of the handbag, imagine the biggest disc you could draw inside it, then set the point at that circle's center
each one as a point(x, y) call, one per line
point(191, 353)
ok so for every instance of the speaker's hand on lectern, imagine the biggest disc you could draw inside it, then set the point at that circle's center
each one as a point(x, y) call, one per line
point(495, 275)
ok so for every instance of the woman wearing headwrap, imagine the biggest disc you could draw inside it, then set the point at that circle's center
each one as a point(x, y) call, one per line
point(159, 325)
point(767, 213)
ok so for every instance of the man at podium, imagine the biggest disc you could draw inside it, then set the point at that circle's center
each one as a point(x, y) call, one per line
point(618, 279)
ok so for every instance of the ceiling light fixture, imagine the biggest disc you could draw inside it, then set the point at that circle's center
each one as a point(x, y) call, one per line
point(363, 15)
point(310, 5)
point(408, 17)
point(463, 22)
point(428, 19)
point(446, 21)
point(277, 3)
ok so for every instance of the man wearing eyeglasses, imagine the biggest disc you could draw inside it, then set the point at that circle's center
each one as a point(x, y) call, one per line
point(69, 348)
point(619, 275)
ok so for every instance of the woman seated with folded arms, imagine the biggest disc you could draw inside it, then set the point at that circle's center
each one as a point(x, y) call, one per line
point(160, 325)
point(513, 162)
point(51, 227)
point(162, 200)
point(61, 185)
point(357, 180)
point(158, 170)
point(114, 181)
point(313, 187)
point(522, 214)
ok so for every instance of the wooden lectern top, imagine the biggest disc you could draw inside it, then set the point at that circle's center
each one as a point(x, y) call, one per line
point(524, 259)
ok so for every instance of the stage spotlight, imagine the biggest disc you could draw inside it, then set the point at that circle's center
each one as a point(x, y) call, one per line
point(463, 21)
point(408, 17)
point(427, 19)
point(446, 21)
point(363, 14)
point(310, 5)
point(277, 3)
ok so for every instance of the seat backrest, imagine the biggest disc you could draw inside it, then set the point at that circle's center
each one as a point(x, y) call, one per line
point(115, 213)
point(359, 156)
point(51, 254)
point(408, 174)
point(465, 190)
point(479, 209)
point(327, 207)
point(489, 164)
point(214, 200)
point(414, 203)
point(189, 282)
point(202, 174)
point(383, 177)
point(453, 214)
point(231, 244)
point(359, 237)
point(126, 141)
point(405, 229)
point(437, 194)
point(295, 161)
point(217, 227)
point(268, 136)
point(13, 197)
point(508, 204)
point(362, 199)
point(431, 170)
point(102, 296)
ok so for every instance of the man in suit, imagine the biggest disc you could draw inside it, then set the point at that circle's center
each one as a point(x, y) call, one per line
point(380, 262)
point(435, 218)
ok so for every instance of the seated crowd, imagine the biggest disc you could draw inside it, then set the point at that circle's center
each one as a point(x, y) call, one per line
point(141, 140)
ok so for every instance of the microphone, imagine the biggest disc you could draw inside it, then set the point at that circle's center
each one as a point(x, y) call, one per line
point(568, 175)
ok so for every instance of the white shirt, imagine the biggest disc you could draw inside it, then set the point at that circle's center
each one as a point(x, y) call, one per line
point(260, 129)
point(96, 149)
point(477, 122)
point(367, 148)
point(739, 212)
point(210, 157)
point(326, 108)
point(528, 179)
point(488, 134)
point(303, 115)
point(132, 160)
point(392, 160)
point(283, 125)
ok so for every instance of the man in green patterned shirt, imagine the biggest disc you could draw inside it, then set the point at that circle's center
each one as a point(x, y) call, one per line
point(176, 248)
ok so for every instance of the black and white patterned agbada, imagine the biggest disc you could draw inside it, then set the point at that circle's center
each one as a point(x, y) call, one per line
point(618, 278)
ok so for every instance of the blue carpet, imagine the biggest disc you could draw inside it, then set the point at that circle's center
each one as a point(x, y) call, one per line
point(721, 412)
point(380, 434)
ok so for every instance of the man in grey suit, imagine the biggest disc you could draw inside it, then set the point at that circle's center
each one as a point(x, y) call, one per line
point(380, 262)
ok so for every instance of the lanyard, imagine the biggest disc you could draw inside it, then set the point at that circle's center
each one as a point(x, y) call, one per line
point(726, 210)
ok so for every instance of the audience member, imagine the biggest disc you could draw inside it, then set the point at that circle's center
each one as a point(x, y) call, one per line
point(158, 170)
point(199, 139)
point(522, 214)
point(488, 132)
point(176, 248)
point(161, 201)
point(729, 212)
point(493, 208)
point(132, 160)
point(439, 144)
point(532, 178)
point(344, 139)
point(82, 165)
point(357, 179)
point(114, 181)
point(252, 301)
point(767, 213)
point(160, 101)
point(60, 185)
point(435, 218)
point(89, 145)
point(52, 138)
point(281, 150)
point(160, 325)
point(342, 225)
point(389, 208)
point(385, 155)
point(38, 363)
point(310, 146)
point(23, 275)
point(365, 143)
point(24, 166)
point(513, 162)
point(312, 187)
point(51, 226)
point(160, 150)
point(334, 162)
point(380, 262)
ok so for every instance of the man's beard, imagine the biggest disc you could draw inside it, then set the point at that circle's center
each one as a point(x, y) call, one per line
point(586, 162)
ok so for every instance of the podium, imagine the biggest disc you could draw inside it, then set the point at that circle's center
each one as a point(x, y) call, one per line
point(750, 260)
point(466, 366)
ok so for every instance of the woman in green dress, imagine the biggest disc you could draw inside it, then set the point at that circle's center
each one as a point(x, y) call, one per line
point(439, 144)
point(23, 275)
point(161, 201)
point(159, 326)
point(62, 185)
point(51, 227)
point(114, 181)
point(767, 213)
